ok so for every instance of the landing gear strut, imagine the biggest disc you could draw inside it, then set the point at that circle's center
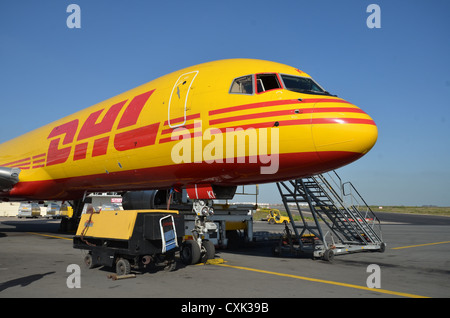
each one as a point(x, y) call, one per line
point(199, 249)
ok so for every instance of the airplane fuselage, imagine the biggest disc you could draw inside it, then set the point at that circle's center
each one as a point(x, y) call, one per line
point(228, 122)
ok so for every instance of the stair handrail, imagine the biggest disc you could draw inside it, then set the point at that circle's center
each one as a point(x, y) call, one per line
point(351, 206)
point(342, 206)
point(355, 201)
point(369, 212)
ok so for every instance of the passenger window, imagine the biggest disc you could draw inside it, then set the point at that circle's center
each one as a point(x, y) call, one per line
point(266, 82)
point(242, 85)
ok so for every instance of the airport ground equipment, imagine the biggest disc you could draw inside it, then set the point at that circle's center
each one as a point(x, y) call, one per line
point(337, 208)
point(29, 210)
point(131, 238)
point(233, 224)
point(275, 217)
point(53, 211)
point(215, 224)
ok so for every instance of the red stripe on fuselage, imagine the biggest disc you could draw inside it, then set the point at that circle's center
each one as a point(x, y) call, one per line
point(190, 126)
point(308, 121)
point(276, 103)
point(181, 119)
point(13, 162)
point(281, 123)
point(286, 112)
point(253, 105)
point(39, 156)
point(342, 121)
point(164, 177)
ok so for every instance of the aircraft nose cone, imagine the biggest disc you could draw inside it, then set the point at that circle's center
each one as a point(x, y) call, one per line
point(344, 136)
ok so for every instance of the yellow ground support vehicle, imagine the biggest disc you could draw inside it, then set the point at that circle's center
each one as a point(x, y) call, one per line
point(130, 238)
point(275, 217)
point(66, 211)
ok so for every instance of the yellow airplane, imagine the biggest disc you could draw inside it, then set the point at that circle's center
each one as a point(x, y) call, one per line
point(204, 128)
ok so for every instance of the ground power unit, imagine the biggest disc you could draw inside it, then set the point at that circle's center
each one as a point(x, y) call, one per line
point(127, 239)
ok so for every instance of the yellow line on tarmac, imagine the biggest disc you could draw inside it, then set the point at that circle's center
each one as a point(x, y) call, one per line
point(59, 237)
point(398, 248)
point(378, 290)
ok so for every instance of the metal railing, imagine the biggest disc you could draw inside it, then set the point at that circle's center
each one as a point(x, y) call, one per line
point(351, 199)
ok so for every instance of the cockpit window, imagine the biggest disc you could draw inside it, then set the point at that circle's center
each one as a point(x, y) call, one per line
point(266, 82)
point(302, 85)
point(242, 85)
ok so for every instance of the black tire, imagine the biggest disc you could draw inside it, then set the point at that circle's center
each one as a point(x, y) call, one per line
point(123, 267)
point(276, 250)
point(208, 251)
point(190, 253)
point(328, 256)
point(88, 261)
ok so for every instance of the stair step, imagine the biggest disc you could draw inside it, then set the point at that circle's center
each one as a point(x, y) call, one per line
point(326, 203)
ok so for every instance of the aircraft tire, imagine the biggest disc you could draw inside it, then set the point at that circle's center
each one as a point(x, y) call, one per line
point(190, 252)
point(209, 251)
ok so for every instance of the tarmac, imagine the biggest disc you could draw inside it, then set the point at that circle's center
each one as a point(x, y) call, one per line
point(36, 261)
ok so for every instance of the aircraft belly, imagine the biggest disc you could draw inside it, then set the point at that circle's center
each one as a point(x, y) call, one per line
point(290, 166)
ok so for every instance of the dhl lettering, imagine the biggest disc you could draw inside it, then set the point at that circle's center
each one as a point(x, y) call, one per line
point(136, 138)
point(80, 151)
point(139, 137)
point(100, 147)
point(131, 114)
point(91, 128)
point(132, 139)
point(59, 155)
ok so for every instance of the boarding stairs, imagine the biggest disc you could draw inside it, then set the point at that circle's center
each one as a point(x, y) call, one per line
point(342, 222)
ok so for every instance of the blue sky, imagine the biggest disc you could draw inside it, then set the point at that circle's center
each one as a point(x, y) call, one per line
point(399, 74)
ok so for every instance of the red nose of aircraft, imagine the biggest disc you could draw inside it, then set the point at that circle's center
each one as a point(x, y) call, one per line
point(342, 136)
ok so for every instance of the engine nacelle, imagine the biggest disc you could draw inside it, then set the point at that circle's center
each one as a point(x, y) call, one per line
point(148, 199)
point(8, 177)
point(157, 199)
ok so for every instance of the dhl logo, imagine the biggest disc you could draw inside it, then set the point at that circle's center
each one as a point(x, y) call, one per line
point(62, 137)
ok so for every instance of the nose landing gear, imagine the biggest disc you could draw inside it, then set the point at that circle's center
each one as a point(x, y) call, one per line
point(199, 249)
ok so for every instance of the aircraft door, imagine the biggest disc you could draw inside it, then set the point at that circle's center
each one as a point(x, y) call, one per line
point(178, 101)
